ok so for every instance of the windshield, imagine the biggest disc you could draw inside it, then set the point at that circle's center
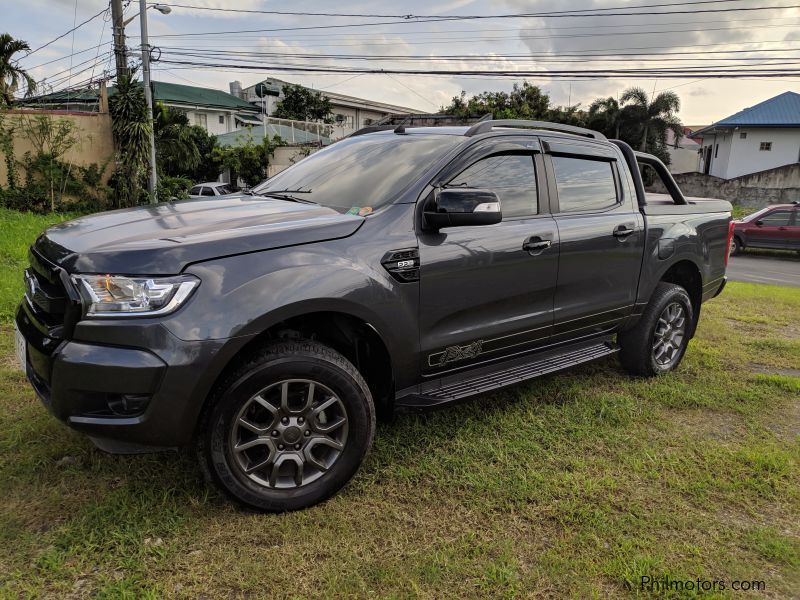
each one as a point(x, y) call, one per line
point(359, 175)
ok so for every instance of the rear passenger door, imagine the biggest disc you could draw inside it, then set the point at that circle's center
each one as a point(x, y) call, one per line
point(601, 237)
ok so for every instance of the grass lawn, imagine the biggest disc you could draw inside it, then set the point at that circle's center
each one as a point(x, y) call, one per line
point(572, 485)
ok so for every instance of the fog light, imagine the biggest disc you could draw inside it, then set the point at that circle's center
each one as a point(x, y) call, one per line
point(129, 405)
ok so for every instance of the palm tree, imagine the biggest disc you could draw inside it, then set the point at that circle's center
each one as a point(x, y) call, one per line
point(130, 125)
point(607, 111)
point(176, 149)
point(10, 72)
point(657, 116)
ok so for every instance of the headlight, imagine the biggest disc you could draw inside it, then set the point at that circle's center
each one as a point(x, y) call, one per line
point(120, 296)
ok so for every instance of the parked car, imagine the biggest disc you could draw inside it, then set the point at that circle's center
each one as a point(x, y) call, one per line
point(776, 226)
point(400, 268)
point(210, 189)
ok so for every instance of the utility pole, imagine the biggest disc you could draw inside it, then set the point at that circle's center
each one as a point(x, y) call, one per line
point(118, 29)
point(148, 94)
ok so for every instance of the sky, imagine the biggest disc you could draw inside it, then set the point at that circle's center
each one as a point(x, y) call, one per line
point(625, 41)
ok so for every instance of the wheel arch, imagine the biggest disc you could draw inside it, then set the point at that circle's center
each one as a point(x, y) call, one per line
point(351, 333)
point(687, 274)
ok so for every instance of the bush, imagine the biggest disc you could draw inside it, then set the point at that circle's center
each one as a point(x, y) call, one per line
point(173, 188)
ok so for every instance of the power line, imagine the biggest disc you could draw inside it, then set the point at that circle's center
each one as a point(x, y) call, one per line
point(412, 16)
point(90, 19)
point(542, 15)
point(677, 73)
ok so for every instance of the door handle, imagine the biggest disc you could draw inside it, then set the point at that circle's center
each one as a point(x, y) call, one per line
point(536, 245)
point(622, 231)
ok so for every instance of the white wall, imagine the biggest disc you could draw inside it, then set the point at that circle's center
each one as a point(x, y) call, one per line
point(212, 124)
point(683, 160)
point(739, 156)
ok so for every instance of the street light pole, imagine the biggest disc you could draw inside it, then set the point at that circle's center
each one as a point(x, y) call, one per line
point(152, 180)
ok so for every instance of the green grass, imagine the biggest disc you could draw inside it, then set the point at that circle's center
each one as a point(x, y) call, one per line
point(574, 485)
point(19, 230)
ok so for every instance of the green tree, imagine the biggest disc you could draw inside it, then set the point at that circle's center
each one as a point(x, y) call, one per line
point(653, 118)
point(302, 104)
point(605, 116)
point(247, 161)
point(176, 149)
point(10, 72)
point(525, 101)
point(131, 128)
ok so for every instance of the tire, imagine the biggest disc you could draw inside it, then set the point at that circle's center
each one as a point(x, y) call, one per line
point(736, 246)
point(288, 429)
point(653, 346)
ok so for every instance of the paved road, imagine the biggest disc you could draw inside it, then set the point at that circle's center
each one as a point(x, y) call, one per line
point(765, 269)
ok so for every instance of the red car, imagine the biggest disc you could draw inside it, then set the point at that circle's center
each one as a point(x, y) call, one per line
point(775, 227)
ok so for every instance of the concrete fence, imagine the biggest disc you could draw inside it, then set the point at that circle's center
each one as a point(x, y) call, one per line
point(773, 186)
point(95, 144)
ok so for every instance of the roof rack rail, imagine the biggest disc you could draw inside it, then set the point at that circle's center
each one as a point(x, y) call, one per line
point(371, 129)
point(484, 126)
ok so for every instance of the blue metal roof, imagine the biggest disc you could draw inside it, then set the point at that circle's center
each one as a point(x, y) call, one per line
point(781, 111)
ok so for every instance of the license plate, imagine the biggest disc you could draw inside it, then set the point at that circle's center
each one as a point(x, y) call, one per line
point(21, 348)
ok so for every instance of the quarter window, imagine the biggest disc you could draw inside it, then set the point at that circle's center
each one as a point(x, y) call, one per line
point(511, 176)
point(584, 184)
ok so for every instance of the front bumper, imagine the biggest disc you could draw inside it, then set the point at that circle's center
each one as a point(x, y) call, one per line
point(126, 385)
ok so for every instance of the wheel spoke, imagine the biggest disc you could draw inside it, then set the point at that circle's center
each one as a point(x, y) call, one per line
point(311, 437)
point(252, 443)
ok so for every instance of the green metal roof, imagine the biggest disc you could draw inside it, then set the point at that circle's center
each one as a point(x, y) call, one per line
point(188, 95)
point(256, 134)
point(168, 93)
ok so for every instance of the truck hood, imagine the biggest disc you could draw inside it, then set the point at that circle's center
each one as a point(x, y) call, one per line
point(163, 239)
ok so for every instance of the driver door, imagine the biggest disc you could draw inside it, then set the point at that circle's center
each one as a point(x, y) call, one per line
point(485, 292)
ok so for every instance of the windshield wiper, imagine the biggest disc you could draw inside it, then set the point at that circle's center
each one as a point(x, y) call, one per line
point(287, 195)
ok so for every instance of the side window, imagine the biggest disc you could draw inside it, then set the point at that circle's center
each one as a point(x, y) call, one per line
point(207, 191)
point(511, 176)
point(777, 218)
point(584, 184)
point(195, 191)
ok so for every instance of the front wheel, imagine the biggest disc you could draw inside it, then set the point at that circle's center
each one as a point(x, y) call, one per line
point(736, 246)
point(658, 341)
point(289, 428)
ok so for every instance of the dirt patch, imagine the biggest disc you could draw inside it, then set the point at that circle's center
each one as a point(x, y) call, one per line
point(709, 424)
point(767, 370)
point(785, 423)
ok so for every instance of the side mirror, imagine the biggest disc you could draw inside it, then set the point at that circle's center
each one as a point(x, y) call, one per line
point(759, 222)
point(458, 207)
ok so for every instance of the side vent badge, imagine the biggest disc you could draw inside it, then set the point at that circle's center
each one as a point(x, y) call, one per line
point(402, 264)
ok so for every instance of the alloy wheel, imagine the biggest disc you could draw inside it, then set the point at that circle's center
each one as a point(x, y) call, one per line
point(289, 434)
point(669, 334)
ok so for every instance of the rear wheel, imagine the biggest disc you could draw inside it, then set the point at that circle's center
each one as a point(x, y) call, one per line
point(289, 428)
point(658, 341)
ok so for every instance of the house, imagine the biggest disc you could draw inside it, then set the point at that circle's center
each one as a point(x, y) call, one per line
point(214, 110)
point(764, 136)
point(684, 153)
point(349, 113)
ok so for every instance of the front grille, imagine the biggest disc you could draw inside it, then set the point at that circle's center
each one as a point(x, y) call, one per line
point(52, 302)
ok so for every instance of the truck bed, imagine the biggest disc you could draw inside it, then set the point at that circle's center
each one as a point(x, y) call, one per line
point(663, 204)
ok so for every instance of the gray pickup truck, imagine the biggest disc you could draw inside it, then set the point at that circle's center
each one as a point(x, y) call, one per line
point(400, 268)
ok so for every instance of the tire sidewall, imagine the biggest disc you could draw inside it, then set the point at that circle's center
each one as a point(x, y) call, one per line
point(736, 246)
point(361, 426)
point(680, 296)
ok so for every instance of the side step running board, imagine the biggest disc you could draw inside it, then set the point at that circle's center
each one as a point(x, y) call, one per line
point(456, 387)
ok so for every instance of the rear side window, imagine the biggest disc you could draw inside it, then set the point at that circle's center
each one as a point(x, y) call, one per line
point(777, 218)
point(195, 191)
point(511, 176)
point(584, 184)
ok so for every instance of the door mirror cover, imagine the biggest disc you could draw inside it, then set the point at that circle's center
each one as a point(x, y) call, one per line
point(459, 207)
point(759, 222)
